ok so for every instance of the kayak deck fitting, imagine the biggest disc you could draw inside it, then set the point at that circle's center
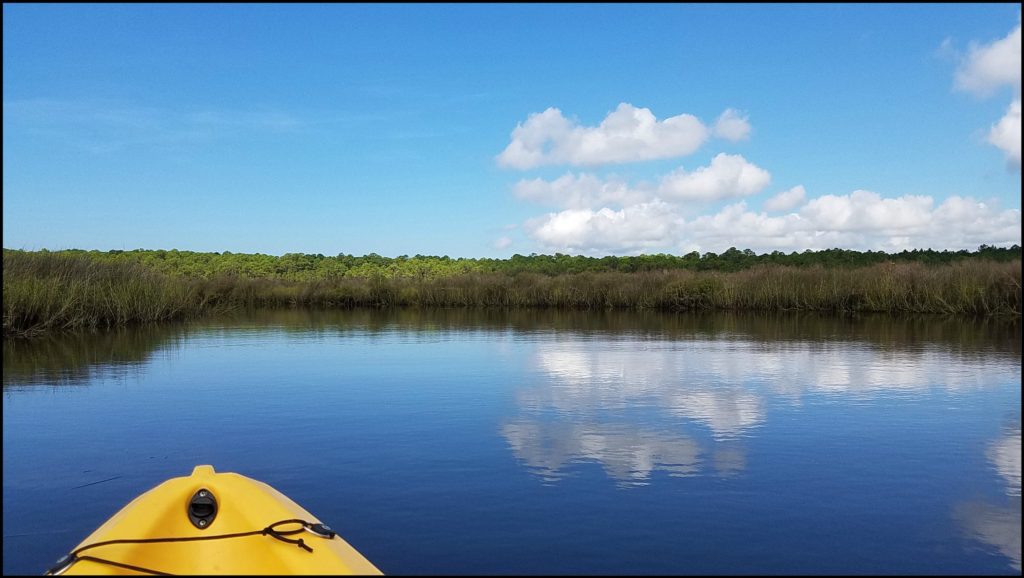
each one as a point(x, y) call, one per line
point(211, 523)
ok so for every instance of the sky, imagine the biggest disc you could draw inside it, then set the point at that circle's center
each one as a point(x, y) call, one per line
point(490, 130)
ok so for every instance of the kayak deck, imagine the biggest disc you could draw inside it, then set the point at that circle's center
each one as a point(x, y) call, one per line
point(241, 505)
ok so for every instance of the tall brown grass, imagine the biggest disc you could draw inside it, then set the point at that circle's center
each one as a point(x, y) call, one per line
point(46, 292)
point(52, 292)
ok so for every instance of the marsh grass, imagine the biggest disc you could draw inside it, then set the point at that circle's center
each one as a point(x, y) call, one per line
point(46, 292)
point(53, 292)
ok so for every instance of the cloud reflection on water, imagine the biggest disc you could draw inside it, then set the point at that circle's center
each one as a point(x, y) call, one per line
point(613, 401)
point(628, 454)
point(1004, 454)
point(996, 525)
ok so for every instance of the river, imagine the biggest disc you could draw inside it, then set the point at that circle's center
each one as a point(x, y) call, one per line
point(544, 442)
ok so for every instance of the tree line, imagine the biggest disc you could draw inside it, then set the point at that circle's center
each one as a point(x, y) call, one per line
point(319, 267)
point(46, 291)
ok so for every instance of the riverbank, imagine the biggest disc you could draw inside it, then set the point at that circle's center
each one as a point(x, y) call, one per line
point(55, 291)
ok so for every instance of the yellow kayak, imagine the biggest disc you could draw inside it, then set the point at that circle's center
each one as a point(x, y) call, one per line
point(210, 523)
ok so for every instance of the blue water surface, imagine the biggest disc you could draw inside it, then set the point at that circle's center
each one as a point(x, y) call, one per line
point(461, 442)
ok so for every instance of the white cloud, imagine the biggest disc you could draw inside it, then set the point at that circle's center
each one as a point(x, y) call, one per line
point(985, 69)
point(861, 220)
point(530, 139)
point(731, 126)
point(734, 226)
point(964, 223)
point(786, 200)
point(868, 211)
point(579, 191)
point(633, 228)
point(627, 134)
point(502, 242)
point(1005, 134)
point(727, 176)
point(988, 67)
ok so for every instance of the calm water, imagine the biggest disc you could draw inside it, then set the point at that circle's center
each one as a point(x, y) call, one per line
point(507, 443)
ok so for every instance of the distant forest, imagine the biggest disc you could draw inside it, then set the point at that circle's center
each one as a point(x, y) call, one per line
point(318, 267)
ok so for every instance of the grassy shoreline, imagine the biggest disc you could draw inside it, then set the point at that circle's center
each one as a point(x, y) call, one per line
point(46, 292)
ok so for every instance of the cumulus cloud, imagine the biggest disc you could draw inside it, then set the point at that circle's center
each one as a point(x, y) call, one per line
point(734, 226)
point(627, 134)
point(502, 242)
point(633, 228)
point(727, 176)
point(964, 223)
point(1005, 134)
point(579, 191)
point(732, 126)
point(868, 211)
point(987, 67)
point(862, 220)
point(786, 200)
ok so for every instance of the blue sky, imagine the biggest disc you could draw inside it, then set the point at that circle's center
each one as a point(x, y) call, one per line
point(488, 130)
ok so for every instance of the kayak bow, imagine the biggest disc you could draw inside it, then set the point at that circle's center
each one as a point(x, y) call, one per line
point(210, 523)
